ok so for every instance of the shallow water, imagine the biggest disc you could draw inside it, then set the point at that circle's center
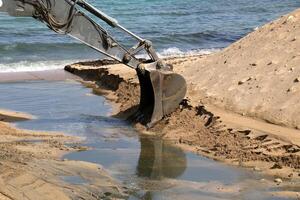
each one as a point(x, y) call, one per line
point(75, 180)
point(151, 167)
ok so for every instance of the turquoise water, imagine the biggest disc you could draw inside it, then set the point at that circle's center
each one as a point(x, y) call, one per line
point(174, 26)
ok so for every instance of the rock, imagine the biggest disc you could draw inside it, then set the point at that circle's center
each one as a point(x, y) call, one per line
point(294, 39)
point(293, 149)
point(261, 137)
point(278, 180)
point(241, 82)
point(276, 166)
point(250, 78)
point(257, 169)
point(297, 80)
point(291, 18)
point(292, 89)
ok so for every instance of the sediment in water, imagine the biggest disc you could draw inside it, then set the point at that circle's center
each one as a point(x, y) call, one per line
point(31, 166)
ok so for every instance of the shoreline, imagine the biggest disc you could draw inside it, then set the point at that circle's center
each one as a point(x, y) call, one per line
point(48, 75)
point(32, 166)
point(117, 99)
point(240, 109)
point(123, 80)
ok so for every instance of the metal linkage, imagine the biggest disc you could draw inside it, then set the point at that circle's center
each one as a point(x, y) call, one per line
point(161, 89)
point(142, 45)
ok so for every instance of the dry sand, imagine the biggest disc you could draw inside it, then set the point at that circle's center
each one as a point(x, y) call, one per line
point(31, 168)
point(258, 76)
point(242, 104)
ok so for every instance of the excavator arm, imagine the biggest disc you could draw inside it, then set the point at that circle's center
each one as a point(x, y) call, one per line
point(161, 89)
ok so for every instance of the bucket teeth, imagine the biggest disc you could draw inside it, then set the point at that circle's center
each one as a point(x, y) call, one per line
point(161, 93)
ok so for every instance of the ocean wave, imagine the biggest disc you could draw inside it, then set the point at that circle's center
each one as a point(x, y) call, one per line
point(28, 66)
point(175, 52)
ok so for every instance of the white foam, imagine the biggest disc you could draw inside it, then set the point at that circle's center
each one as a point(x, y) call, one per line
point(174, 51)
point(29, 66)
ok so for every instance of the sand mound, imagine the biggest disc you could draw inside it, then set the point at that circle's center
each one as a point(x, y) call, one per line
point(258, 76)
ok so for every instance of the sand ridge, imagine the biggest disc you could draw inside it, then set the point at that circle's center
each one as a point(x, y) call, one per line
point(257, 76)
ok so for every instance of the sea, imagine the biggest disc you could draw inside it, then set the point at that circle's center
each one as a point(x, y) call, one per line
point(175, 27)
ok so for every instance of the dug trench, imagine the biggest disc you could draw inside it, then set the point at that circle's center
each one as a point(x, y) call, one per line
point(193, 128)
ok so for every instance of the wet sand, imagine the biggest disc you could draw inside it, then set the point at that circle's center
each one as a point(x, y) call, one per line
point(11, 116)
point(51, 75)
point(214, 121)
point(194, 128)
point(224, 117)
point(31, 167)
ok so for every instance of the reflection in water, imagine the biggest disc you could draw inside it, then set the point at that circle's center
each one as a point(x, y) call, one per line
point(159, 159)
point(116, 146)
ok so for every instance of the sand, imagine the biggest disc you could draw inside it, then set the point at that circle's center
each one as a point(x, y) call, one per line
point(258, 76)
point(31, 168)
point(241, 108)
point(12, 116)
point(242, 102)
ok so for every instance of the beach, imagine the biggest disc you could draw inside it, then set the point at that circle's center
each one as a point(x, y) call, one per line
point(223, 118)
point(36, 162)
point(31, 166)
point(69, 133)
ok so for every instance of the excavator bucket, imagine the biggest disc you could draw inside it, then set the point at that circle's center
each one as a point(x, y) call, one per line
point(161, 93)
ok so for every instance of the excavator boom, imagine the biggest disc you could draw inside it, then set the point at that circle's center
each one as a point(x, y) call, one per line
point(161, 89)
